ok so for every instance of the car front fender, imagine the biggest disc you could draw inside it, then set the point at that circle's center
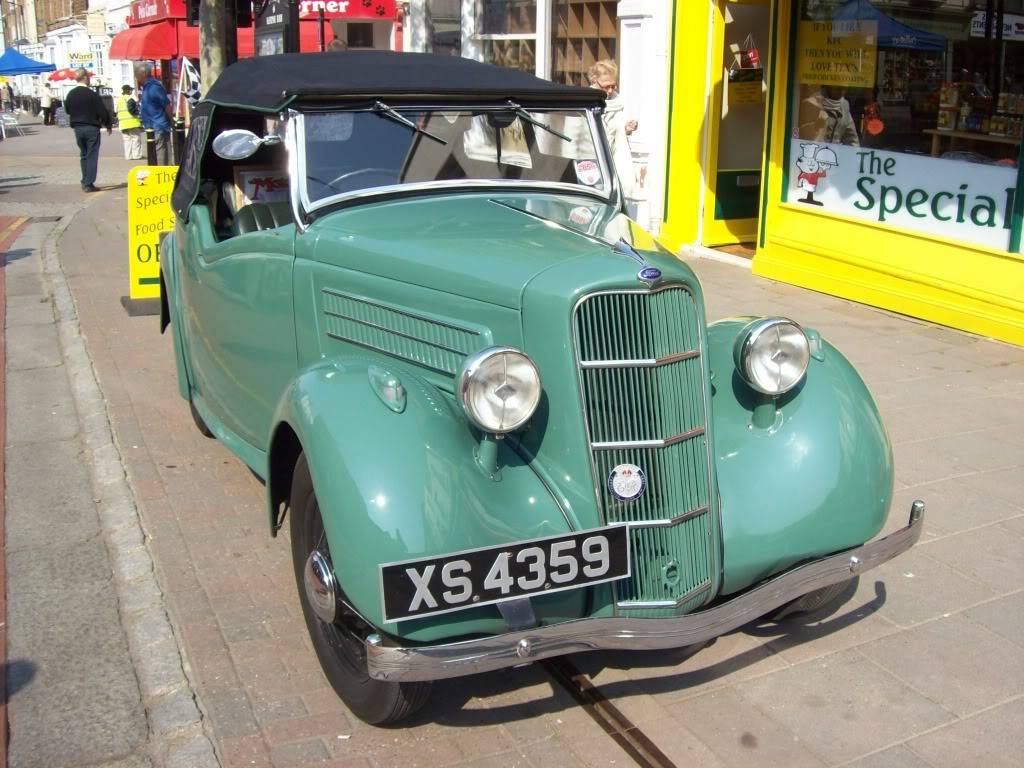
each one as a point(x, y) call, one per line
point(394, 486)
point(816, 480)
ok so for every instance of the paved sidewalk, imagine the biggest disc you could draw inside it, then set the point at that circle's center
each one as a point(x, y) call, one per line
point(924, 666)
point(94, 674)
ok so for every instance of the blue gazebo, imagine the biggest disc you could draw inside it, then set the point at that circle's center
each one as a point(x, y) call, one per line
point(15, 63)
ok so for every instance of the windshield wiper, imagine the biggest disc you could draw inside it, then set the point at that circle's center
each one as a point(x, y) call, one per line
point(383, 109)
point(522, 114)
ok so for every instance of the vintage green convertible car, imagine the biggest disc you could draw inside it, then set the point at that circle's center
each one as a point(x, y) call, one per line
point(404, 292)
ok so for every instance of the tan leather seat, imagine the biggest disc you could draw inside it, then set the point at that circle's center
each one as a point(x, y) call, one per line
point(256, 217)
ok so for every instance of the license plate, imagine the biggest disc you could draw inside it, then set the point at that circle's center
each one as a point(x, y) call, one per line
point(460, 580)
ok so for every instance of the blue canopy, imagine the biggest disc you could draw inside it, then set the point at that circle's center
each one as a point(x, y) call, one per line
point(891, 33)
point(14, 63)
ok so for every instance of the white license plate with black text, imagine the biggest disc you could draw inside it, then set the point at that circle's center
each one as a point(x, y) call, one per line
point(432, 585)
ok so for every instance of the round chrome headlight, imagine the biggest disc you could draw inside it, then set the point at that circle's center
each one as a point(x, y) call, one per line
point(499, 389)
point(772, 355)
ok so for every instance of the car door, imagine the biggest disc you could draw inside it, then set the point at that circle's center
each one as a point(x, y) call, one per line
point(239, 322)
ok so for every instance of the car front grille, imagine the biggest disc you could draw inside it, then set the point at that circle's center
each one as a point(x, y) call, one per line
point(643, 393)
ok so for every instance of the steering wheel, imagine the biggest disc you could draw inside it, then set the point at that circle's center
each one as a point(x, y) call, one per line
point(391, 176)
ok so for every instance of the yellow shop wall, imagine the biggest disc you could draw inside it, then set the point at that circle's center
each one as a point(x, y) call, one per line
point(688, 114)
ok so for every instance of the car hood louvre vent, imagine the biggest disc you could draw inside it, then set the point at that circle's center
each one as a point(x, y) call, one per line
point(397, 331)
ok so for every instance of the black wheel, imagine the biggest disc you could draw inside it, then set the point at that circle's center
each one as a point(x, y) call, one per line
point(200, 424)
point(338, 643)
point(830, 597)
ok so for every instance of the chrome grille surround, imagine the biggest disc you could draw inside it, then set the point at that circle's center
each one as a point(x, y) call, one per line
point(643, 393)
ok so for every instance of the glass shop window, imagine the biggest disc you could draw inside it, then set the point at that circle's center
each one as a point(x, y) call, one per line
point(909, 115)
point(444, 19)
point(508, 33)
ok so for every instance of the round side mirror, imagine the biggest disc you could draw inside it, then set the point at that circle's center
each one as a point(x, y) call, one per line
point(238, 144)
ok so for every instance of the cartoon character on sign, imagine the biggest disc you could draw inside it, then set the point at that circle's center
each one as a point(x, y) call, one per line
point(814, 164)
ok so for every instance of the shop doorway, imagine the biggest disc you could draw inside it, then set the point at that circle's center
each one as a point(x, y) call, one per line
point(736, 121)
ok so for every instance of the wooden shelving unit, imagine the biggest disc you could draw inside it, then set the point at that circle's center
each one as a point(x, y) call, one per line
point(582, 32)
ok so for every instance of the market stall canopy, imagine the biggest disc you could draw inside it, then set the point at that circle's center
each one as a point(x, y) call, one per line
point(891, 33)
point(150, 42)
point(15, 63)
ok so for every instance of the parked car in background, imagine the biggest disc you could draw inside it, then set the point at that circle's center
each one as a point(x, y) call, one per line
point(487, 404)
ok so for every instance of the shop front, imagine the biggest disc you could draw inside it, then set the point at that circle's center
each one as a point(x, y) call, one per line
point(157, 29)
point(880, 160)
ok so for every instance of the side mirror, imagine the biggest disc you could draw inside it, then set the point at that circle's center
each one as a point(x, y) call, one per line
point(238, 143)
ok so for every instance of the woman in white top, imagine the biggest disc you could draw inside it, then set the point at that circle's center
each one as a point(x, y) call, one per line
point(605, 75)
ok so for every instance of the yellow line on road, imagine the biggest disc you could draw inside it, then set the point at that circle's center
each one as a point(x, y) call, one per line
point(17, 223)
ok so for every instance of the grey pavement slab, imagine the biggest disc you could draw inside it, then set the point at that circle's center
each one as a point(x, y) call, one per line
point(991, 739)
point(990, 555)
point(44, 411)
point(48, 496)
point(81, 700)
point(953, 643)
point(843, 706)
point(29, 309)
point(32, 346)
point(1004, 616)
point(740, 734)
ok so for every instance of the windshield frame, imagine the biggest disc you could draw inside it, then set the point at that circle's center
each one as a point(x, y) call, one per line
point(606, 194)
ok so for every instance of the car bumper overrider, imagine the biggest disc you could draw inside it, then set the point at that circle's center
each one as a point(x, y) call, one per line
point(435, 662)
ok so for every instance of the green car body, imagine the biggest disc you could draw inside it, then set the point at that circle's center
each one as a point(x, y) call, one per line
point(343, 337)
point(257, 357)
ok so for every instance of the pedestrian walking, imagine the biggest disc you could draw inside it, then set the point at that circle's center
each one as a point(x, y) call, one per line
point(46, 103)
point(5, 98)
point(129, 124)
point(86, 113)
point(155, 110)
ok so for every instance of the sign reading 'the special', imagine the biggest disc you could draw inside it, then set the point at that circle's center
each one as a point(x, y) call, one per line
point(912, 191)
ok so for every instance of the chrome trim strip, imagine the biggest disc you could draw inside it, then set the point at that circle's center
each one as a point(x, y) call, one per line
point(648, 363)
point(700, 589)
point(397, 310)
point(292, 149)
point(633, 633)
point(385, 329)
point(671, 521)
point(665, 443)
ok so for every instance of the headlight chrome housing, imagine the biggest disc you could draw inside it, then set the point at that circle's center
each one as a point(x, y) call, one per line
point(499, 388)
point(772, 355)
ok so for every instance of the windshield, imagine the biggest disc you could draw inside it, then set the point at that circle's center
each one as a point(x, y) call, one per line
point(348, 152)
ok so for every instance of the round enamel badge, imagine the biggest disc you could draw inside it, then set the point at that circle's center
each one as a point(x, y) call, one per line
point(588, 172)
point(627, 482)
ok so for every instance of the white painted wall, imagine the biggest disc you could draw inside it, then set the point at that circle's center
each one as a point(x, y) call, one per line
point(644, 39)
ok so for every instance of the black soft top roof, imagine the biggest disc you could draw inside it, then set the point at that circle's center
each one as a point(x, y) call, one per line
point(270, 83)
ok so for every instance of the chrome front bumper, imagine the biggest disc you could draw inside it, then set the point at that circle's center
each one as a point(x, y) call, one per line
point(468, 657)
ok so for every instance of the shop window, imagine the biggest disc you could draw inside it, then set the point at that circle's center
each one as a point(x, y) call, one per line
point(360, 34)
point(582, 32)
point(445, 26)
point(508, 33)
point(909, 115)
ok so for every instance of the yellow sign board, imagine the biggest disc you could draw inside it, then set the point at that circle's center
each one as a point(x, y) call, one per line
point(838, 53)
point(149, 214)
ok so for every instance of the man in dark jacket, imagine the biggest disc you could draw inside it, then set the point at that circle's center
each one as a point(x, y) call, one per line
point(86, 113)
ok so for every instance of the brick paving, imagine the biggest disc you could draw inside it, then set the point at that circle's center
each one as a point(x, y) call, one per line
point(924, 666)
